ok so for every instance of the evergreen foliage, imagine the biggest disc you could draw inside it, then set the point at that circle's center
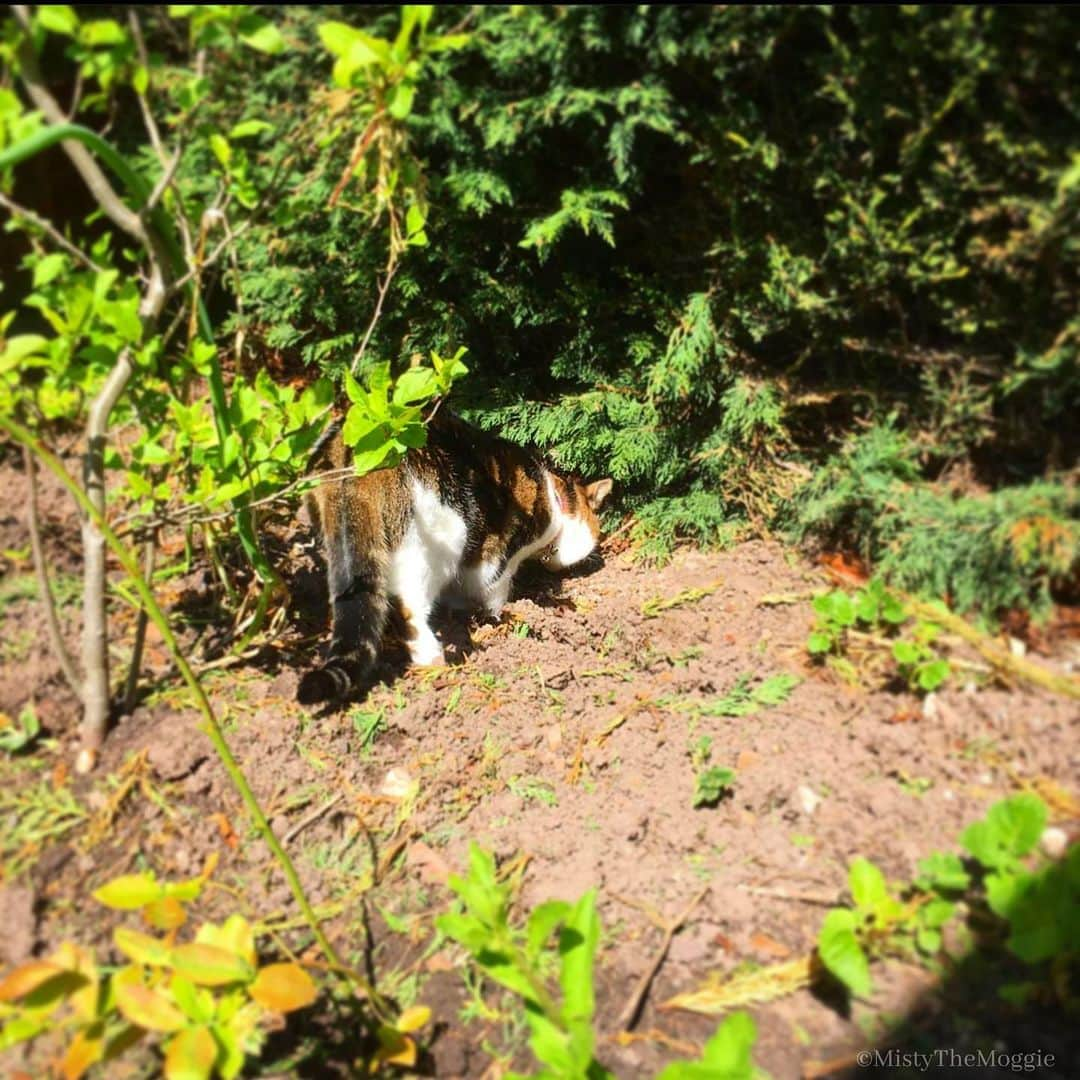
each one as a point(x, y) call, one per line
point(713, 251)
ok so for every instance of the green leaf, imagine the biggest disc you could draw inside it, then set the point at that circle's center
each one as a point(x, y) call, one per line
point(353, 389)
point(577, 947)
point(818, 642)
point(49, 266)
point(414, 226)
point(221, 149)
point(841, 952)
point(867, 884)
point(102, 32)
point(933, 674)
point(247, 128)
point(906, 652)
point(59, 18)
point(1010, 830)
point(942, 870)
point(416, 384)
point(401, 100)
point(261, 35)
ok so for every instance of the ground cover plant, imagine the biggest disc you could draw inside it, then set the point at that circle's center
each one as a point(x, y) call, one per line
point(803, 281)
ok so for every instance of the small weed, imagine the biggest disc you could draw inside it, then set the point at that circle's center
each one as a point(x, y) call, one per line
point(522, 630)
point(368, 726)
point(712, 785)
point(32, 816)
point(17, 735)
point(742, 699)
point(533, 788)
point(913, 785)
point(881, 614)
point(653, 607)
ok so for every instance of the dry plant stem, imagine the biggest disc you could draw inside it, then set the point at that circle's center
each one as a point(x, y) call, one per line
point(629, 1016)
point(56, 638)
point(212, 727)
point(131, 688)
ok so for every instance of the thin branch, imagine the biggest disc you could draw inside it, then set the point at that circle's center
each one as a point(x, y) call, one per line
point(111, 204)
point(391, 269)
point(50, 230)
point(56, 638)
point(629, 1016)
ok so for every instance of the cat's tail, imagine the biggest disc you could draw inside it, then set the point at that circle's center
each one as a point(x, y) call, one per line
point(357, 564)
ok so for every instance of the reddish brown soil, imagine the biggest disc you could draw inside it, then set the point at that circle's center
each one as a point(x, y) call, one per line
point(552, 747)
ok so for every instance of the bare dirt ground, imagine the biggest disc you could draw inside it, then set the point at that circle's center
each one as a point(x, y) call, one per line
point(562, 740)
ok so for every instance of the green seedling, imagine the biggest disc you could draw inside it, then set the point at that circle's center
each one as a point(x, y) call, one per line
point(16, 736)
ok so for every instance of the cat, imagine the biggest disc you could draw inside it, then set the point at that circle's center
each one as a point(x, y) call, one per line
point(460, 514)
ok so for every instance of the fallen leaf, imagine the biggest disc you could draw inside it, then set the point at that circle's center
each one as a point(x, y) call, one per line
point(432, 867)
point(761, 942)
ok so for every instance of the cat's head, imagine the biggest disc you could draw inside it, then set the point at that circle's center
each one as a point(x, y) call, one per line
point(579, 526)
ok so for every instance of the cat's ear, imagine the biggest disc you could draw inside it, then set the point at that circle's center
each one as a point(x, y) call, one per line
point(598, 492)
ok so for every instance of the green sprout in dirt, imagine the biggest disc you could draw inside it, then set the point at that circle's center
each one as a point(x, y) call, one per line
point(19, 734)
point(562, 1036)
point(1035, 910)
point(743, 699)
point(711, 783)
point(561, 1024)
point(872, 617)
point(205, 1003)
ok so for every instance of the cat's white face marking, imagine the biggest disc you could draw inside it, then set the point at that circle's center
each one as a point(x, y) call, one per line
point(574, 539)
point(576, 542)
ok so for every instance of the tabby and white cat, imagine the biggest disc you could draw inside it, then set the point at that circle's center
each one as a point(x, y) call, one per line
point(460, 514)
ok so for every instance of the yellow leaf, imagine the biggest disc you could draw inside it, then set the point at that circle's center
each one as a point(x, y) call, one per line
point(191, 1055)
point(86, 1049)
point(147, 1008)
point(209, 965)
point(40, 983)
point(165, 914)
point(413, 1018)
point(142, 948)
point(129, 892)
point(395, 1048)
point(283, 988)
point(765, 984)
point(234, 936)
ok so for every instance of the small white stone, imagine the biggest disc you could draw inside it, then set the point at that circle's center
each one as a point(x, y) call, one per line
point(947, 795)
point(1054, 842)
point(930, 707)
point(809, 799)
point(397, 784)
point(1017, 647)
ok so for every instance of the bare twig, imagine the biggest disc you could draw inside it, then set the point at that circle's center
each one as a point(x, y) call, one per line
point(56, 638)
point(629, 1016)
point(48, 228)
point(391, 269)
point(820, 899)
point(111, 204)
point(311, 818)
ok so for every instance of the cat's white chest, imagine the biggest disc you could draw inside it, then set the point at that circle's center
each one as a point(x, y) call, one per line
point(431, 550)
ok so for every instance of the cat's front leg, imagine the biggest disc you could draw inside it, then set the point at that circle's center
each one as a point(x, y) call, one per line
point(496, 596)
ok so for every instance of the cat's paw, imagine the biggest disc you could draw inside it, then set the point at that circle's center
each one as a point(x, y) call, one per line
point(427, 653)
